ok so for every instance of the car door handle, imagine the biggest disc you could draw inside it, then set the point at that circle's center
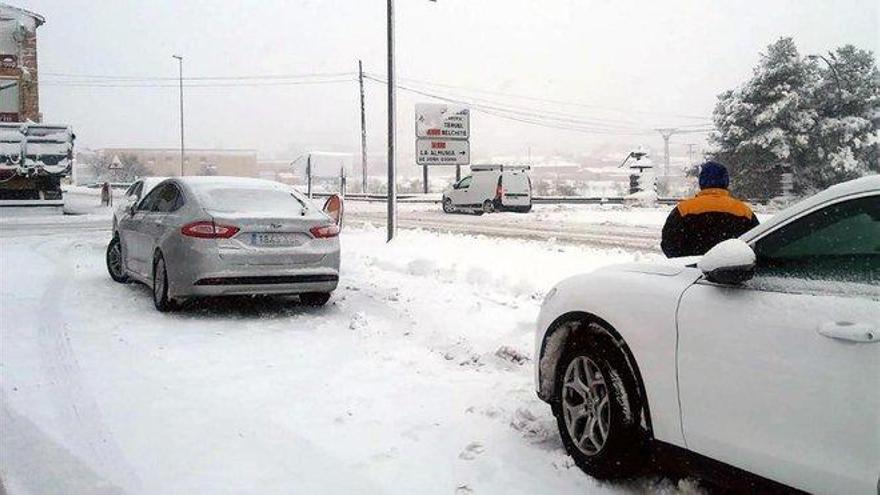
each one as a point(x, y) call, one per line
point(853, 332)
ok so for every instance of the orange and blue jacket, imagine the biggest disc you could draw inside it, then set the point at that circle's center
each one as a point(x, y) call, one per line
point(697, 224)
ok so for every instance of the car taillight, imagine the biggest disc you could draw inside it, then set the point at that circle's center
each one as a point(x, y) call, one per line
point(208, 230)
point(325, 231)
point(499, 191)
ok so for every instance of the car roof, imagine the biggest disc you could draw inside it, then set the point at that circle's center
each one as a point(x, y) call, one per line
point(206, 184)
point(854, 187)
point(221, 180)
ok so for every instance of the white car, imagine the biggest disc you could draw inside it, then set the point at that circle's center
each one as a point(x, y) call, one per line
point(761, 357)
point(491, 188)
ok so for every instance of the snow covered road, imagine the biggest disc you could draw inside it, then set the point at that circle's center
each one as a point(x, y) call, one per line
point(416, 378)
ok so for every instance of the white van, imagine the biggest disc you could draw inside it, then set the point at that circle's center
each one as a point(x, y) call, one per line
point(491, 188)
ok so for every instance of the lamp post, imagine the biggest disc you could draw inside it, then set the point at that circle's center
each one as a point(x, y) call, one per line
point(392, 127)
point(833, 68)
point(180, 60)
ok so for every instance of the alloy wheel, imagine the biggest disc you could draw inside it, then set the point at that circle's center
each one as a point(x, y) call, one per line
point(159, 280)
point(115, 260)
point(585, 405)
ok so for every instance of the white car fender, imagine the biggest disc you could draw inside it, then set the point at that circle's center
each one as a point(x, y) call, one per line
point(639, 302)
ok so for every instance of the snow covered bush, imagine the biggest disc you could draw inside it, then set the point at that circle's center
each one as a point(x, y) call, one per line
point(817, 119)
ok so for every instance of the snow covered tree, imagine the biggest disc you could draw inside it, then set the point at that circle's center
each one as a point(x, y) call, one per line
point(818, 121)
point(763, 127)
point(845, 141)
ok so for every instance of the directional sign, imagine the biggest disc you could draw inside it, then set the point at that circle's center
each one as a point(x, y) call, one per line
point(442, 152)
point(116, 163)
point(442, 121)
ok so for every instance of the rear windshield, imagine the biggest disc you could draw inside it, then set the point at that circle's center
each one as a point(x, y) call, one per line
point(518, 181)
point(251, 200)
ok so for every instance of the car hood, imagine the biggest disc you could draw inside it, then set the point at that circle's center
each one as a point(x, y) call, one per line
point(669, 268)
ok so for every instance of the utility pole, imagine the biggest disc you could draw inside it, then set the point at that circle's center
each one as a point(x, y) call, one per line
point(691, 153)
point(180, 61)
point(666, 134)
point(309, 175)
point(363, 130)
point(392, 127)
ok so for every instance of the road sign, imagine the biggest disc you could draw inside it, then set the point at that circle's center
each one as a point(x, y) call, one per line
point(435, 121)
point(115, 163)
point(442, 152)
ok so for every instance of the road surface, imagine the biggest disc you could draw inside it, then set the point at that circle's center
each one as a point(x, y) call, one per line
point(416, 378)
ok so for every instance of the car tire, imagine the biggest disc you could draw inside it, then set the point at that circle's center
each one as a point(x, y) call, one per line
point(447, 205)
point(161, 300)
point(488, 206)
point(115, 264)
point(597, 411)
point(314, 298)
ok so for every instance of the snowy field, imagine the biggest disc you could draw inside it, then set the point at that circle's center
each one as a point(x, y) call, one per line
point(415, 378)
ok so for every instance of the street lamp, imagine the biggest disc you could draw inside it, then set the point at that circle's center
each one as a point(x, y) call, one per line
point(833, 67)
point(392, 126)
point(180, 60)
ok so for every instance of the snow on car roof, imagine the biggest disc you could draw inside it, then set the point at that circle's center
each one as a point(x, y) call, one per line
point(216, 181)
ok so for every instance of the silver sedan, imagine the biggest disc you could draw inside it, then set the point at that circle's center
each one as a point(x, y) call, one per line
point(214, 236)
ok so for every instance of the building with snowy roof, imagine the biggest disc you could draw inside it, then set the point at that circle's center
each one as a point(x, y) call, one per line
point(19, 82)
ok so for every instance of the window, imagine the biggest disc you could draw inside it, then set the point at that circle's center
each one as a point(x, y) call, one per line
point(134, 191)
point(839, 242)
point(465, 183)
point(252, 200)
point(10, 100)
point(149, 202)
point(170, 199)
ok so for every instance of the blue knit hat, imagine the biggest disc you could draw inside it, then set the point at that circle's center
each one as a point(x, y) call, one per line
point(713, 174)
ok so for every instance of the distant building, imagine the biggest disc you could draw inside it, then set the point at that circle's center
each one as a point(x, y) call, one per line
point(19, 83)
point(166, 161)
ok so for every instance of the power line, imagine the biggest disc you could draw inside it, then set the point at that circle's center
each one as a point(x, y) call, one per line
point(554, 101)
point(529, 116)
point(96, 77)
point(69, 84)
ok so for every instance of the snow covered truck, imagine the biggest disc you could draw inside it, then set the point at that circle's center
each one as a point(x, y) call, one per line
point(33, 160)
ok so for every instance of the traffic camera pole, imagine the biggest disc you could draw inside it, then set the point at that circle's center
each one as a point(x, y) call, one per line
point(363, 130)
point(392, 179)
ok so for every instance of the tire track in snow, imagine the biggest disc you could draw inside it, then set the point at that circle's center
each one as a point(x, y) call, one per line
point(75, 407)
point(591, 235)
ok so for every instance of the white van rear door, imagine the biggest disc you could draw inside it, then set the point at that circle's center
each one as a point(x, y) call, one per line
point(516, 189)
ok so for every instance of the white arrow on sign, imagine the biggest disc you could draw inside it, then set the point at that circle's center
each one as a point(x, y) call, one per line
point(442, 152)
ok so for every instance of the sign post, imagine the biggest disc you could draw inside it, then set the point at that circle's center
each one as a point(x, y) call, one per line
point(442, 137)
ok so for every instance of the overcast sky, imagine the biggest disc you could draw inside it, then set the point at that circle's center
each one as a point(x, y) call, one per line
point(624, 66)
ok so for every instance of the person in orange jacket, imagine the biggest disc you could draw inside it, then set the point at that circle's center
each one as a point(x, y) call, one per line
point(697, 224)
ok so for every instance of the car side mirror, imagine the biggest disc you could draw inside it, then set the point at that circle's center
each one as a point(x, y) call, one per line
point(334, 208)
point(731, 262)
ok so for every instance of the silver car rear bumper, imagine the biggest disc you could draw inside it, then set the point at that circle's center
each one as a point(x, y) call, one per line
point(195, 268)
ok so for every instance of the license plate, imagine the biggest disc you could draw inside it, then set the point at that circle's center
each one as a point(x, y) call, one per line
point(275, 239)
